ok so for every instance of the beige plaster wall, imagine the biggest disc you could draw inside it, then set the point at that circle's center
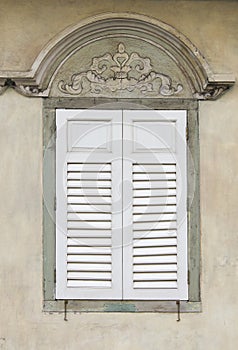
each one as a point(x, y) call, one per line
point(25, 27)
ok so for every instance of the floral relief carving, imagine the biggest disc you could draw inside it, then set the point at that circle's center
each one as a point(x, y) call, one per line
point(118, 72)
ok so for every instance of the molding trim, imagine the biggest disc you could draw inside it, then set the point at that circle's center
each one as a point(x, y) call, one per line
point(38, 80)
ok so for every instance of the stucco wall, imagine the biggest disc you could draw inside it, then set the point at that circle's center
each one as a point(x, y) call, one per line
point(25, 28)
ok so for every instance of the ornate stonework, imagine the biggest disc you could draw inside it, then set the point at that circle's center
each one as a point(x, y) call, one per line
point(121, 71)
point(212, 91)
point(120, 74)
point(30, 90)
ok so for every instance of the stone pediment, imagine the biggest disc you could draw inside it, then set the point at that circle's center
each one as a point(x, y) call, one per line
point(119, 56)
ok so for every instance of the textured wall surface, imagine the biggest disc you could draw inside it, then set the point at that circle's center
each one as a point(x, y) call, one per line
point(25, 27)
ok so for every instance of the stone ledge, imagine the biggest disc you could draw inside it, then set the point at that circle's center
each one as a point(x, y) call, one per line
point(122, 306)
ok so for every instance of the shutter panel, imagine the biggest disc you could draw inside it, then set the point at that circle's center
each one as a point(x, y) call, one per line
point(154, 219)
point(88, 215)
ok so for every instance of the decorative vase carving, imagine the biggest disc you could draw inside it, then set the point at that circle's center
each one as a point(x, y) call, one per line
point(121, 71)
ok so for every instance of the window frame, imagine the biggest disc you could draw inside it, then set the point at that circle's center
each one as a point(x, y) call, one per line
point(50, 304)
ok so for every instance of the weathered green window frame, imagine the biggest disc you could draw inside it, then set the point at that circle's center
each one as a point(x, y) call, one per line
point(50, 304)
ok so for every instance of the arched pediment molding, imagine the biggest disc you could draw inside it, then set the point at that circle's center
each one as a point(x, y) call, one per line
point(159, 41)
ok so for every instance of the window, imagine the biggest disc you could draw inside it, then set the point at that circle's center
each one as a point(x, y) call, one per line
point(121, 223)
point(127, 222)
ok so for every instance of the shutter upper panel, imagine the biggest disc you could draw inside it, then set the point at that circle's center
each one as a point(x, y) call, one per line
point(154, 202)
point(88, 216)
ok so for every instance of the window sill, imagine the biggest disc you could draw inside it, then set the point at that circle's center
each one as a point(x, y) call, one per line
point(122, 306)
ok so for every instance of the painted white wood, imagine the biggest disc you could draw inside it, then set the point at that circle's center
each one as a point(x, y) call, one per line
point(82, 250)
point(153, 192)
point(89, 225)
point(89, 267)
point(147, 251)
point(89, 173)
point(89, 134)
point(155, 268)
point(154, 184)
point(157, 242)
point(154, 176)
point(157, 135)
point(154, 217)
point(89, 167)
point(96, 255)
point(154, 152)
point(91, 285)
point(155, 234)
point(93, 258)
point(88, 184)
point(74, 208)
point(157, 259)
point(142, 209)
point(94, 233)
point(92, 241)
point(154, 168)
point(82, 275)
point(89, 192)
point(154, 200)
point(89, 216)
point(89, 200)
point(156, 225)
point(151, 285)
point(155, 276)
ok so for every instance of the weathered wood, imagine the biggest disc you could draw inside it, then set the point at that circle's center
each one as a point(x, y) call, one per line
point(49, 203)
point(193, 207)
point(52, 305)
point(115, 103)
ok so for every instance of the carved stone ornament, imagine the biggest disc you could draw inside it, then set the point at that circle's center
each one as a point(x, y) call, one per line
point(28, 90)
point(113, 74)
point(120, 71)
point(212, 91)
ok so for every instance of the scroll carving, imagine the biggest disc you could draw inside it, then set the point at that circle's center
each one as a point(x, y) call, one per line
point(29, 90)
point(121, 71)
point(212, 91)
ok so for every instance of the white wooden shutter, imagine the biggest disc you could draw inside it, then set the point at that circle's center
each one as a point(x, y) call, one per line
point(154, 201)
point(88, 214)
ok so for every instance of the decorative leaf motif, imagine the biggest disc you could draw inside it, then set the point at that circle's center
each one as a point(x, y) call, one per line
point(120, 72)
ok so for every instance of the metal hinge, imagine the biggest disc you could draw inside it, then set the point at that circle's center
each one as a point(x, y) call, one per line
point(187, 134)
point(188, 277)
point(55, 204)
point(54, 275)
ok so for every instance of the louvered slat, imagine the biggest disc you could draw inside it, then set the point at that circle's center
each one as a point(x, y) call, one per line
point(155, 242)
point(149, 209)
point(154, 234)
point(91, 200)
point(91, 233)
point(89, 255)
point(158, 250)
point(103, 267)
point(88, 208)
point(89, 184)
